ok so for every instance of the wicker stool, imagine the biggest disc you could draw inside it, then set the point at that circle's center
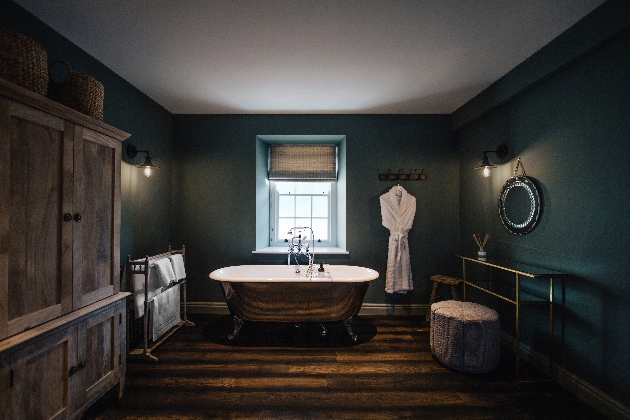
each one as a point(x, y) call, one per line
point(465, 336)
point(438, 278)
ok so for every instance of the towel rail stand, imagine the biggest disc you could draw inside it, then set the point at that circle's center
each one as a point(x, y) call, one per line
point(141, 266)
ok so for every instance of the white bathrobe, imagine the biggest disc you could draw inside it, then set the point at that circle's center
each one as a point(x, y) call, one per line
point(398, 209)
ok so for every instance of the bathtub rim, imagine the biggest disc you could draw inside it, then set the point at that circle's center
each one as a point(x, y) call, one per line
point(299, 278)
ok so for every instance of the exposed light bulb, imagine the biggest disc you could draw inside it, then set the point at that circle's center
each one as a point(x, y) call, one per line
point(147, 171)
point(486, 172)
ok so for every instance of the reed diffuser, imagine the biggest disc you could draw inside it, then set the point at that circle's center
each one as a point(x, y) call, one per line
point(481, 254)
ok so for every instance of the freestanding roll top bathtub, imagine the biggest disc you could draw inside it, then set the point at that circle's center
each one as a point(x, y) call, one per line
point(276, 293)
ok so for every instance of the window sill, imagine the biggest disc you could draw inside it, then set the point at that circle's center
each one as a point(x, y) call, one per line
point(319, 250)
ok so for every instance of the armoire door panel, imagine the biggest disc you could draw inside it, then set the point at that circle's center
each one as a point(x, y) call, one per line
point(95, 181)
point(5, 210)
point(26, 322)
point(36, 268)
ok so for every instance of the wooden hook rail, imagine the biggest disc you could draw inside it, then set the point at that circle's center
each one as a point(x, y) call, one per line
point(401, 176)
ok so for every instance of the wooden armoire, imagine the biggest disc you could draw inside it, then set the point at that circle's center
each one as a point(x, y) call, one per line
point(62, 315)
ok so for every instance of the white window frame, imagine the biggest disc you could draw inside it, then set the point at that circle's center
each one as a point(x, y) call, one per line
point(274, 198)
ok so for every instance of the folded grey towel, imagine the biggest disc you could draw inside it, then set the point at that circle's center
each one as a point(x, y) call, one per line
point(136, 281)
point(163, 272)
point(165, 311)
point(178, 266)
point(138, 292)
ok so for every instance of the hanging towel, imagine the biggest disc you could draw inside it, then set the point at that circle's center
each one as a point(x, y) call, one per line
point(178, 266)
point(137, 283)
point(165, 311)
point(398, 209)
point(162, 270)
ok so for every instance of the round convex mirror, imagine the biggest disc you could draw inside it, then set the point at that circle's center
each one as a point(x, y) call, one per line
point(519, 205)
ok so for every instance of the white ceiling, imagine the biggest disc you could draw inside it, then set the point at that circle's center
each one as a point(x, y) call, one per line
point(310, 56)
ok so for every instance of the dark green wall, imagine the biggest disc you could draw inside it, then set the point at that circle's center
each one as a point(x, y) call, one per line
point(145, 202)
point(571, 128)
point(215, 180)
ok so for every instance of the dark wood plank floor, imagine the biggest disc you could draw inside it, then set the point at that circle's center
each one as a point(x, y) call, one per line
point(279, 371)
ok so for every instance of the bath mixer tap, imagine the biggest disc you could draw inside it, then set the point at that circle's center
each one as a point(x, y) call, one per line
point(295, 249)
point(301, 248)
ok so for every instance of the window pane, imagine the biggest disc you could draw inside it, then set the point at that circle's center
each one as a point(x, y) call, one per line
point(303, 187)
point(321, 187)
point(320, 229)
point(303, 206)
point(284, 224)
point(285, 187)
point(320, 206)
point(286, 206)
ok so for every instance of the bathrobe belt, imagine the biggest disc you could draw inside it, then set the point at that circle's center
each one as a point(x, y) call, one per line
point(399, 238)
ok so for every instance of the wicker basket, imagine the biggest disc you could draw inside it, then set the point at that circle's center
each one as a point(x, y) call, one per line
point(78, 91)
point(23, 61)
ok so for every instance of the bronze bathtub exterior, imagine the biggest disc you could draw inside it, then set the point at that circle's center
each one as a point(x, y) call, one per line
point(282, 293)
point(294, 301)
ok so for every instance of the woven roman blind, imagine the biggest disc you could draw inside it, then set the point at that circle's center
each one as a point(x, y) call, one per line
point(302, 162)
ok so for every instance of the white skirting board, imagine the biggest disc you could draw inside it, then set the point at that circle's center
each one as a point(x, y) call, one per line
point(592, 396)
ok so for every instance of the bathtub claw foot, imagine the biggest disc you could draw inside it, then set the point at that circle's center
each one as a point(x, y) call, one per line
point(238, 323)
point(348, 324)
point(324, 331)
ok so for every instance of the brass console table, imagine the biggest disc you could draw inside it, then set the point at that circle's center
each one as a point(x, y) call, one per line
point(520, 297)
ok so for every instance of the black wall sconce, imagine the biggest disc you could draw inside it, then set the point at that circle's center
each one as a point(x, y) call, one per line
point(501, 152)
point(148, 166)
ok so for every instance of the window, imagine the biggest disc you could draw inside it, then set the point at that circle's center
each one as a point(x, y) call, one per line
point(309, 204)
point(269, 236)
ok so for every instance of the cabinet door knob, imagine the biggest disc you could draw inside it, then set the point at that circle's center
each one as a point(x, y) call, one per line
point(82, 364)
point(73, 370)
point(77, 217)
point(67, 217)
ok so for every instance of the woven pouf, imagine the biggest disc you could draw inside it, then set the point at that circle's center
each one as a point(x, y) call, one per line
point(465, 336)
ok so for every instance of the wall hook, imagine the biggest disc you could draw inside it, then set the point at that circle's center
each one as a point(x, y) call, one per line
point(402, 176)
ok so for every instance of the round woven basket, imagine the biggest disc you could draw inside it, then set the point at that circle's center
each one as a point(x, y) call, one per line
point(78, 91)
point(23, 61)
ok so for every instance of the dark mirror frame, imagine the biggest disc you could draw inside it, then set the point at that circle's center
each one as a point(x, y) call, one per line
point(535, 204)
